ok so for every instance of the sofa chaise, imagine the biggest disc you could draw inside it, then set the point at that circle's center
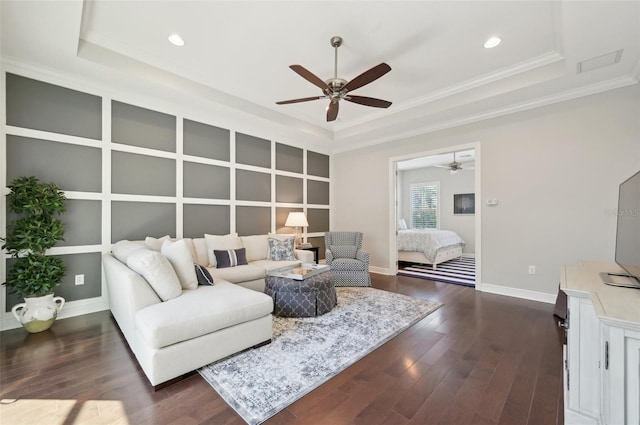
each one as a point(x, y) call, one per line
point(174, 325)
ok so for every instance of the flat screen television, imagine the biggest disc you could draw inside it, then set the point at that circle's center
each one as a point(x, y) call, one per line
point(627, 254)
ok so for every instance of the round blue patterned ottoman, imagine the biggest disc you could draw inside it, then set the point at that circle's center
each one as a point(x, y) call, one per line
point(312, 296)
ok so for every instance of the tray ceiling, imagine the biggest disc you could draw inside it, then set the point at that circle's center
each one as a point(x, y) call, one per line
point(238, 54)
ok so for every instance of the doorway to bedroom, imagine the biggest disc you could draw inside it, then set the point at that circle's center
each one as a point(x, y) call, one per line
point(436, 215)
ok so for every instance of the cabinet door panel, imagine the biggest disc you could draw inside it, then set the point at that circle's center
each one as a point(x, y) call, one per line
point(632, 348)
point(613, 376)
point(589, 358)
point(622, 379)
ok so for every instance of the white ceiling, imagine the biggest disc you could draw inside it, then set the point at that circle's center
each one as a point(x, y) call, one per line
point(237, 53)
point(465, 157)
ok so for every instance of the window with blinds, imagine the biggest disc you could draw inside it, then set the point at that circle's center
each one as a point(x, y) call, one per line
point(425, 202)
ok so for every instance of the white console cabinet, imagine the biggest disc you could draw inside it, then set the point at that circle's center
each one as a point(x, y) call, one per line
point(602, 356)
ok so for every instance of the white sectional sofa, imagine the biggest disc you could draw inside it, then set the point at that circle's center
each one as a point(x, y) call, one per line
point(172, 324)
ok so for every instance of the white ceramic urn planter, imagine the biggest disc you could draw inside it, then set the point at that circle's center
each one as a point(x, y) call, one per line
point(37, 314)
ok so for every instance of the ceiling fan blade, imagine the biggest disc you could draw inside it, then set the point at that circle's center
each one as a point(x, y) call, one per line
point(368, 101)
point(367, 77)
point(302, 99)
point(332, 111)
point(310, 77)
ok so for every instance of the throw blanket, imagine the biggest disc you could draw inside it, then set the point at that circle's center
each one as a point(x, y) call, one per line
point(427, 241)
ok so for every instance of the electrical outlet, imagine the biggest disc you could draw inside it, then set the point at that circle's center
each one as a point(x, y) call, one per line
point(79, 279)
point(532, 269)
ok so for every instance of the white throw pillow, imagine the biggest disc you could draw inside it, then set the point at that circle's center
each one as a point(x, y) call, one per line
point(192, 248)
point(155, 243)
point(179, 255)
point(230, 241)
point(122, 249)
point(402, 225)
point(157, 270)
point(256, 247)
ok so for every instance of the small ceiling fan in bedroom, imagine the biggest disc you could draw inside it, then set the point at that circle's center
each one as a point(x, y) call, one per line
point(336, 89)
point(454, 166)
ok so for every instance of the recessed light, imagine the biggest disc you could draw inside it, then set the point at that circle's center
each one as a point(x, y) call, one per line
point(176, 40)
point(492, 42)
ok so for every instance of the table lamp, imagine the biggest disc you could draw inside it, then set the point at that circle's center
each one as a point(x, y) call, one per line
point(297, 220)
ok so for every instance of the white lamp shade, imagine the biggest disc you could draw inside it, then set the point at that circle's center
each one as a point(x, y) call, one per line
point(296, 219)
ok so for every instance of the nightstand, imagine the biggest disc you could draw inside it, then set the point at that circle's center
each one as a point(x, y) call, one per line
point(314, 249)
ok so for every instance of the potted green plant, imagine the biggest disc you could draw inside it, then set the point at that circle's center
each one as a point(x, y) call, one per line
point(34, 275)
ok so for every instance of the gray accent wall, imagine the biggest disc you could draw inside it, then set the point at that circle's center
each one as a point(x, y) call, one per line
point(136, 174)
point(317, 192)
point(71, 167)
point(137, 220)
point(142, 127)
point(289, 158)
point(253, 186)
point(289, 189)
point(252, 150)
point(253, 220)
point(201, 219)
point(88, 264)
point(206, 181)
point(82, 223)
point(317, 164)
point(206, 141)
point(47, 107)
point(129, 174)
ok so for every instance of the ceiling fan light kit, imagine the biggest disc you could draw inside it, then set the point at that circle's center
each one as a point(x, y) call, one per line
point(454, 166)
point(336, 89)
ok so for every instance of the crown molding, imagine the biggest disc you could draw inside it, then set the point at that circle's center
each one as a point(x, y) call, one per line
point(511, 109)
point(522, 67)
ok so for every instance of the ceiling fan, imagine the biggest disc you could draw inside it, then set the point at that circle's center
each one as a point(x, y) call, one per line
point(454, 166)
point(336, 89)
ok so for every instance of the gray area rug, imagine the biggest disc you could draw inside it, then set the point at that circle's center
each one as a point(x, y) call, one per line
point(306, 352)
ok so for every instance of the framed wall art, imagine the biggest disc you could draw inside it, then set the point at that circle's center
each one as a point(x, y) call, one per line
point(464, 203)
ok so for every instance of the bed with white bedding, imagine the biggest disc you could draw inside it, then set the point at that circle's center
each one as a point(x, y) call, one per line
point(428, 246)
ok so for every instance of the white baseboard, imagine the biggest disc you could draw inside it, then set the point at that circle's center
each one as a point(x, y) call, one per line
point(381, 270)
point(70, 309)
point(517, 293)
point(492, 289)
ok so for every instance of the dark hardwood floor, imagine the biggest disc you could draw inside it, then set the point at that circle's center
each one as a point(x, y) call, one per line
point(479, 359)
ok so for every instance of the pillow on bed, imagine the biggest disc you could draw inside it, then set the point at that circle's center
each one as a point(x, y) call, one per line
point(402, 225)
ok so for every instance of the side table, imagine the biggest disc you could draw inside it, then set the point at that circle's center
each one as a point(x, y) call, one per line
point(315, 251)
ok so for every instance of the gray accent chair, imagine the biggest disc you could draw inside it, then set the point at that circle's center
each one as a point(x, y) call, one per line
point(349, 263)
